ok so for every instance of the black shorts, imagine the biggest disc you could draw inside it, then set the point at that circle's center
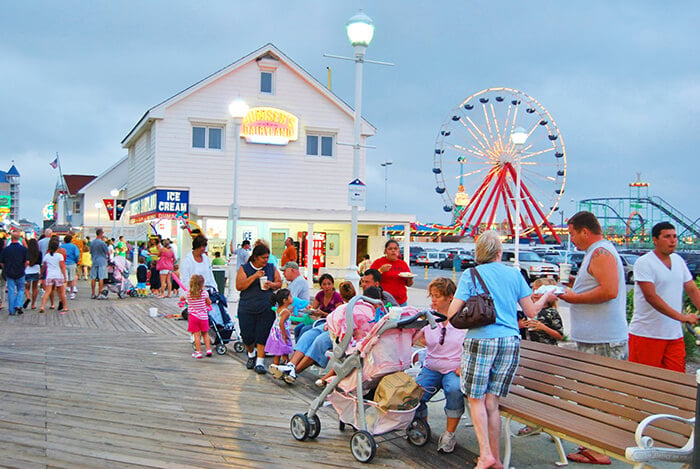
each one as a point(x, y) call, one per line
point(255, 328)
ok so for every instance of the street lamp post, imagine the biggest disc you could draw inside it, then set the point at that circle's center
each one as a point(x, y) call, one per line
point(360, 30)
point(238, 109)
point(386, 165)
point(98, 206)
point(114, 193)
point(518, 138)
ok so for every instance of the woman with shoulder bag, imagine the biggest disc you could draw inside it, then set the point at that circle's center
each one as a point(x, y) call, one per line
point(491, 353)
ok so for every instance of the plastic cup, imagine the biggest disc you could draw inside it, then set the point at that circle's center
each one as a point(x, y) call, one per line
point(263, 281)
point(153, 312)
point(564, 273)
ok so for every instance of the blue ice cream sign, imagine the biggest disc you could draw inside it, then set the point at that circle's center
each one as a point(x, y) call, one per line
point(160, 204)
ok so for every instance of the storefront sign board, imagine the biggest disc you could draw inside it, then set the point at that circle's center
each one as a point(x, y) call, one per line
point(160, 204)
point(270, 126)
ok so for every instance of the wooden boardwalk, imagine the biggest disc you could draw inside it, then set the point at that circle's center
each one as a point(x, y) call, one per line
point(105, 385)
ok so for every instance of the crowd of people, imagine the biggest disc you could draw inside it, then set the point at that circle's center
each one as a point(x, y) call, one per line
point(475, 366)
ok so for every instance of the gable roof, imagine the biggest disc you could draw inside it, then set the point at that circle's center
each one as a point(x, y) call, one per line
point(267, 51)
point(13, 171)
point(75, 182)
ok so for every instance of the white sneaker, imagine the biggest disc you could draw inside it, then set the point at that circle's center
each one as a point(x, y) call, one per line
point(72, 296)
point(446, 443)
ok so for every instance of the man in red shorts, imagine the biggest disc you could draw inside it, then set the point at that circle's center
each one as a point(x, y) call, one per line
point(661, 276)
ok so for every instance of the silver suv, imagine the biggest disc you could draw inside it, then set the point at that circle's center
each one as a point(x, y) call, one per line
point(532, 266)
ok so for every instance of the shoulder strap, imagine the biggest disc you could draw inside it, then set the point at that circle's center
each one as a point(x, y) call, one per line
point(476, 275)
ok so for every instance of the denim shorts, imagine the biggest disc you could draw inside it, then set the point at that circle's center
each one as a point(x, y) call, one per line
point(31, 278)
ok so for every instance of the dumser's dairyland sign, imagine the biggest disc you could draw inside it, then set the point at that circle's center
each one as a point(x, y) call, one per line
point(270, 126)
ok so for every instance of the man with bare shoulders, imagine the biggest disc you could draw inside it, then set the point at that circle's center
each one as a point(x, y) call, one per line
point(598, 299)
point(661, 277)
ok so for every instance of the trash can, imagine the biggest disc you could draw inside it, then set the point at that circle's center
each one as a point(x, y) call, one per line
point(220, 279)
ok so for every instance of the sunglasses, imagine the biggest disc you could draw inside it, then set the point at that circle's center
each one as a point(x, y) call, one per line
point(442, 335)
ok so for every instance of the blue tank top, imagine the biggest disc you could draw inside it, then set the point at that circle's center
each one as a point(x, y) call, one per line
point(255, 300)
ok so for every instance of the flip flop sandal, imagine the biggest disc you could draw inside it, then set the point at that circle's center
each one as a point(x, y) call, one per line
point(586, 456)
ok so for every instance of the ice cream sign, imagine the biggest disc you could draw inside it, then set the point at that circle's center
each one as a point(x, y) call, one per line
point(270, 126)
point(159, 204)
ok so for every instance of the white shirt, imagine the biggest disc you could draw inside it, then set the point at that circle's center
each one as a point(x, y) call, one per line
point(647, 321)
point(190, 267)
point(53, 265)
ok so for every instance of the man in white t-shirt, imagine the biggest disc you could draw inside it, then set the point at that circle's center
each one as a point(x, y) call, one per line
point(661, 276)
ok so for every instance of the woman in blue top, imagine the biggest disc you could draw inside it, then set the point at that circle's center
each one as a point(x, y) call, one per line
point(255, 315)
point(491, 353)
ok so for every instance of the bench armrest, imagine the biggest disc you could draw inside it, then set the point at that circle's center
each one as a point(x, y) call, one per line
point(645, 450)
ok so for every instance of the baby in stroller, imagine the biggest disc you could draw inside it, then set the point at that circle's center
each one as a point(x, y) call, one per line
point(117, 280)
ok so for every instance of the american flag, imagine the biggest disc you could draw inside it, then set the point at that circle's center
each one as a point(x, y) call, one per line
point(54, 163)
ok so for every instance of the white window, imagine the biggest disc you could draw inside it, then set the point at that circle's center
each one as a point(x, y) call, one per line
point(319, 145)
point(207, 137)
point(76, 206)
point(266, 82)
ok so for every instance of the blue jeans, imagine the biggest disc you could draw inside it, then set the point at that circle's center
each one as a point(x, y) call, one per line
point(15, 293)
point(432, 382)
point(303, 344)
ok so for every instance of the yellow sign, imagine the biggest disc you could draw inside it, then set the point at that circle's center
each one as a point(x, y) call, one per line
point(270, 126)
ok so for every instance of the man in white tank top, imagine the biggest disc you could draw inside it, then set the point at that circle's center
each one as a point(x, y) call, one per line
point(661, 276)
point(598, 296)
point(598, 299)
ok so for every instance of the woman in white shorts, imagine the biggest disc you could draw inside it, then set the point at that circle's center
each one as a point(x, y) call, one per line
point(55, 267)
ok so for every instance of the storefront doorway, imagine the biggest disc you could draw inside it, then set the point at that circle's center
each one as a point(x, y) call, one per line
point(362, 248)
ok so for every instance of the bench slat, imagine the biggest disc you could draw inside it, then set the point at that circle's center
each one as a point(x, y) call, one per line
point(630, 406)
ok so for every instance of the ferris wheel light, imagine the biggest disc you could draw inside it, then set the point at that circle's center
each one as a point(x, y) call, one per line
point(518, 136)
point(360, 29)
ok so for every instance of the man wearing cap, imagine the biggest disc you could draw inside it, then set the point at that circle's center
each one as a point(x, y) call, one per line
point(290, 253)
point(296, 284)
point(14, 259)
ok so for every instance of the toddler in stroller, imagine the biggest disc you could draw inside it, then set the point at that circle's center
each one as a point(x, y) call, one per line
point(117, 280)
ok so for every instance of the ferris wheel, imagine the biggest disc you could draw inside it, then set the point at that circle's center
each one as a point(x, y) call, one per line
point(475, 164)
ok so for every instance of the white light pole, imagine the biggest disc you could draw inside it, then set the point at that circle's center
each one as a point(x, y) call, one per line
point(98, 206)
point(360, 30)
point(386, 165)
point(114, 193)
point(518, 138)
point(238, 109)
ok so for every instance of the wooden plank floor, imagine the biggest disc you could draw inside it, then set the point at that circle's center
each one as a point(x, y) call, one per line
point(105, 385)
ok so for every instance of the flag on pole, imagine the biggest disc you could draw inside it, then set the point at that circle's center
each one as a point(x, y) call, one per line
point(54, 163)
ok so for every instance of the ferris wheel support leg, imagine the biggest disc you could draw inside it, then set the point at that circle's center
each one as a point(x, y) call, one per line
point(539, 211)
point(488, 201)
point(474, 203)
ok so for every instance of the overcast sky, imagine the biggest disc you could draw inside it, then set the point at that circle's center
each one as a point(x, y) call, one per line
point(621, 79)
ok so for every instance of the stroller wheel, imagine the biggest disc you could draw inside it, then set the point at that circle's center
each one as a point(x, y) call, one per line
point(418, 432)
point(238, 346)
point(315, 429)
point(221, 349)
point(363, 446)
point(300, 427)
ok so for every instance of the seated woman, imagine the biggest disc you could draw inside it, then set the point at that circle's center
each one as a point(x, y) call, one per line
point(323, 304)
point(311, 349)
point(442, 362)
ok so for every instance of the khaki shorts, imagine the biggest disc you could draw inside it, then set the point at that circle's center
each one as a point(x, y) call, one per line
point(70, 272)
point(617, 350)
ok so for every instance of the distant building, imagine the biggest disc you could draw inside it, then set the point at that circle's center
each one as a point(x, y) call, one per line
point(9, 194)
point(69, 201)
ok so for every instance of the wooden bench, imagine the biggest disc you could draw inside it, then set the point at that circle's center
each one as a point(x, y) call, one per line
point(598, 402)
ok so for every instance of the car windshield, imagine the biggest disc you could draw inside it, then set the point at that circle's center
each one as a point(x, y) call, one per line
point(555, 258)
point(530, 257)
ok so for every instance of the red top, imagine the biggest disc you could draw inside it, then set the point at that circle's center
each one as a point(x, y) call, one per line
point(391, 282)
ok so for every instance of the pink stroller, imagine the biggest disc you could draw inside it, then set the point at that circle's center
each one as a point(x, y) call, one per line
point(358, 368)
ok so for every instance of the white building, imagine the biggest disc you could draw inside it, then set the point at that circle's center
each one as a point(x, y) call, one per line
point(293, 171)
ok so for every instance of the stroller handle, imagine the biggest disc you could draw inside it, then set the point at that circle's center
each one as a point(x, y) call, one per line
point(416, 322)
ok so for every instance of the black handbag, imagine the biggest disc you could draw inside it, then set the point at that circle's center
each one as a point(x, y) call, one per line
point(479, 310)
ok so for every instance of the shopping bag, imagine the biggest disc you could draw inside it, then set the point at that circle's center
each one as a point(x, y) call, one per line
point(398, 391)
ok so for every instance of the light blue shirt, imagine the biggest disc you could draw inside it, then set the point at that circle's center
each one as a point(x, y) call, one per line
point(507, 287)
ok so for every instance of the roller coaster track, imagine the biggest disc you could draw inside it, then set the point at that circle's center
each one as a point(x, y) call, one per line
point(689, 226)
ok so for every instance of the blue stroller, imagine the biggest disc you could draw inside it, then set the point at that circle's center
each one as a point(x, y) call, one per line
point(222, 330)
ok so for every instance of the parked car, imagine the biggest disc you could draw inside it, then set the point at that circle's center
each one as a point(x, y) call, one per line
point(466, 261)
point(575, 259)
point(432, 258)
point(694, 267)
point(414, 251)
point(532, 266)
point(628, 261)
